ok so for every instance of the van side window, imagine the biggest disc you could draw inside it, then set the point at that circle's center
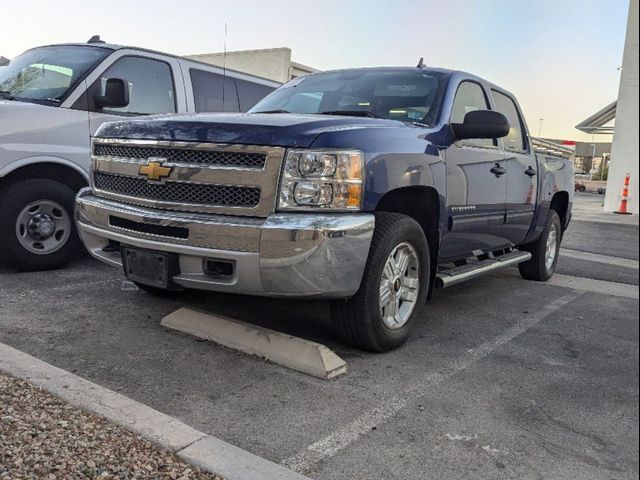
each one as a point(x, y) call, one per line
point(251, 93)
point(516, 140)
point(470, 97)
point(150, 85)
point(213, 92)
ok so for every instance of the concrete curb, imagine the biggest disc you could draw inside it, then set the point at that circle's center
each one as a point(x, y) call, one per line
point(198, 448)
point(296, 353)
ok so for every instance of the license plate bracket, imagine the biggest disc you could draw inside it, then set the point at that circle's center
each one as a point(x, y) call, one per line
point(150, 267)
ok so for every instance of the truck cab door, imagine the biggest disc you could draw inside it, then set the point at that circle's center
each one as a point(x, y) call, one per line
point(155, 82)
point(522, 170)
point(476, 185)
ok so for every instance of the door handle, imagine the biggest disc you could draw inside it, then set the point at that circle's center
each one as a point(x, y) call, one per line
point(498, 170)
point(530, 171)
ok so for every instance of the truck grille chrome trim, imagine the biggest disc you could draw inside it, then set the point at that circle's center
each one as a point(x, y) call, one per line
point(181, 155)
point(178, 192)
point(195, 177)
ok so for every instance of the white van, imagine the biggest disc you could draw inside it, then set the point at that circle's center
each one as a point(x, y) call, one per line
point(53, 99)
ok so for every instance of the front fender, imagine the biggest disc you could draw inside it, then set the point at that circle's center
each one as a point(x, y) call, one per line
point(23, 162)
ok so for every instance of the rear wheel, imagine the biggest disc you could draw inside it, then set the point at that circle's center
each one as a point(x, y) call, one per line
point(38, 229)
point(544, 252)
point(393, 290)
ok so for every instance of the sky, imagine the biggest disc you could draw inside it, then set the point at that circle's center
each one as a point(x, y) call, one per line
point(559, 57)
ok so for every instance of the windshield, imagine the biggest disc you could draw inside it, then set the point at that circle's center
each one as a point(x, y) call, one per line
point(397, 95)
point(48, 74)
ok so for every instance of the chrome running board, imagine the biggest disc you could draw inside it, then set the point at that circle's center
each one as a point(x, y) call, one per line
point(452, 276)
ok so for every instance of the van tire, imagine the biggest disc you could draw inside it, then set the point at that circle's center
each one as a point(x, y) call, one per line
point(358, 321)
point(14, 200)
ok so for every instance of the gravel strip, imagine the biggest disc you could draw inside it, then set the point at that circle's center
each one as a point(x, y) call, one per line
point(43, 437)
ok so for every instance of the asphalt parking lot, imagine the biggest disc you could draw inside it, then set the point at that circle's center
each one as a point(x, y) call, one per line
point(502, 378)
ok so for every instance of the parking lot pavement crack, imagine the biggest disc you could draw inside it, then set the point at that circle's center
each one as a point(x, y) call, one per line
point(309, 458)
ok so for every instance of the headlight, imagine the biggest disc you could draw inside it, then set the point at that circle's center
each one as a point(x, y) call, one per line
point(322, 179)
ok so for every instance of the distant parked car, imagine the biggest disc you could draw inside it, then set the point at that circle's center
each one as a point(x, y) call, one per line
point(580, 187)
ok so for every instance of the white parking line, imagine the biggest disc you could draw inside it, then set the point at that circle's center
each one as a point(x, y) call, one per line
point(306, 460)
point(596, 257)
point(596, 286)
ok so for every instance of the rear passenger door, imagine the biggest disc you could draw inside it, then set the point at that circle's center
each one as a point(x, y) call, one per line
point(475, 195)
point(522, 168)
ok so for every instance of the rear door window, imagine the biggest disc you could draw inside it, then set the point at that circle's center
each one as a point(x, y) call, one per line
point(250, 93)
point(213, 92)
point(470, 97)
point(516, 140)
point(150, 82)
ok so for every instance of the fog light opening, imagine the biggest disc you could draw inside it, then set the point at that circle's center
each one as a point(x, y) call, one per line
point(219, 268)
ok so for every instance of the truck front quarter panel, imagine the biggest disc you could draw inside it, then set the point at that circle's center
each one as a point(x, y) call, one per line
point(395, 158)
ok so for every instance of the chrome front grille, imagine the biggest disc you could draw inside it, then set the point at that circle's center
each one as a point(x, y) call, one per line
point(181, 155)
point(196, 177)
point(179, 192)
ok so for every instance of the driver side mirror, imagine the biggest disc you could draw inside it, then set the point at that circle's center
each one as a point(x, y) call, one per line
point(482, 124)
point(116, 94)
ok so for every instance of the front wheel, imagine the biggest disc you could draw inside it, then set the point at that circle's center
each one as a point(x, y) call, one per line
point(38, 231)
point(393, 290)
point(544, 252)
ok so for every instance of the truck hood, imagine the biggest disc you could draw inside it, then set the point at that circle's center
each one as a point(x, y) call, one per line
point(284, 130)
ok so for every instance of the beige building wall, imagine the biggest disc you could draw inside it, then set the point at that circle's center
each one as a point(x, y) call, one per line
point(624, 151)
point(273, 63)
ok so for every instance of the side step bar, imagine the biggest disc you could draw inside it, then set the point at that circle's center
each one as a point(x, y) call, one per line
point(453, 276)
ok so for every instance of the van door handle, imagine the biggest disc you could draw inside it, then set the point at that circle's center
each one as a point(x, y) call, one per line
point(498, 170)
point(530, 171)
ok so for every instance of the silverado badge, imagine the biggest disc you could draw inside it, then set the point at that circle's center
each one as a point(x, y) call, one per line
point(154, 170)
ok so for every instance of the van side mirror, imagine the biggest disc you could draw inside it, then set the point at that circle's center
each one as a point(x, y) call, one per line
point(482, 124)
point(116, 94)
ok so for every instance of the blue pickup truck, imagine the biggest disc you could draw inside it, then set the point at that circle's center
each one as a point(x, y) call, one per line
point(369, 187)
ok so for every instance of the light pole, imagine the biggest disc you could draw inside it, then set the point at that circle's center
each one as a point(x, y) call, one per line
point(540, 128)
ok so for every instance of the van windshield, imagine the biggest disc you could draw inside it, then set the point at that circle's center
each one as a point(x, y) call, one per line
point(48, 74)
point(405, 95)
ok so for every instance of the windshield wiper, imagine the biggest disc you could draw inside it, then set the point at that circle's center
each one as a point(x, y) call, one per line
point(351, 113)
point(7, 95)
point(273, 111)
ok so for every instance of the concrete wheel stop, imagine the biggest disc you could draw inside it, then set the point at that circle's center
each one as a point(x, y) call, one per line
point(292, 352)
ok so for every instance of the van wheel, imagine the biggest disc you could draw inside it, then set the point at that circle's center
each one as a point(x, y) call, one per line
point(393, 290)
point(544, 252)
point(39, 231)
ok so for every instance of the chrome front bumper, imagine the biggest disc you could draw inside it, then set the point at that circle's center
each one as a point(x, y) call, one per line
point(295, 254)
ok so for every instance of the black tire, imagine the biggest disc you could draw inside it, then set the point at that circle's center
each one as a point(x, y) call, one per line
point(13, 200)
point(536, 268)
point(358, 320)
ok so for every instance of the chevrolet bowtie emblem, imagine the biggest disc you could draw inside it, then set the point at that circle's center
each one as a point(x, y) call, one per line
point(154, 170)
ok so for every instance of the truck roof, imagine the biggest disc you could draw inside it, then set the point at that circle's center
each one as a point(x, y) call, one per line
point(446, 71)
